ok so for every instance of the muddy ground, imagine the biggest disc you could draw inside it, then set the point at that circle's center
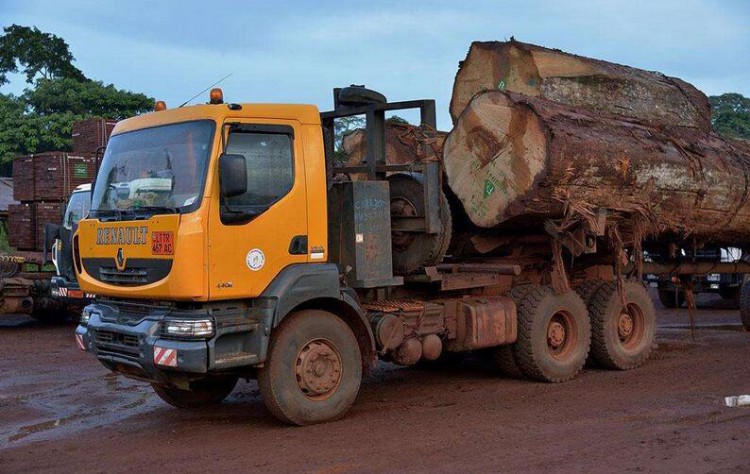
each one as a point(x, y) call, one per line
point(60, 411)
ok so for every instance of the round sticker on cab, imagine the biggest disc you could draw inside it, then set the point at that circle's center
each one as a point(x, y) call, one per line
point(255, 259)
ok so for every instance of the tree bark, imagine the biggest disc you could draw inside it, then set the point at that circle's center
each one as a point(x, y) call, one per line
point(514, 160)
point(648, 97)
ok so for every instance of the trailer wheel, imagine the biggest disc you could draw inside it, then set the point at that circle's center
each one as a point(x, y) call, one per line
point(622, 334)
point(554, 335)
point(503, 356)
point(313, 370)
point(200, 395)
point(411, 250)
point(670, 300)
point(745, 305)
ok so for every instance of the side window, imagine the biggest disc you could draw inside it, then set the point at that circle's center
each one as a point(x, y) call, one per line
point(270, 169)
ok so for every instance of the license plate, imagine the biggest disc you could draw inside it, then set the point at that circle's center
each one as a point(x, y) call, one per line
point(75, 294)
point(162, 243)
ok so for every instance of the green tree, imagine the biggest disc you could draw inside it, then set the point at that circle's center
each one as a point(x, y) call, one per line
point(85, 98)
point(41, 119)
point(34, 53)
point(730, 115)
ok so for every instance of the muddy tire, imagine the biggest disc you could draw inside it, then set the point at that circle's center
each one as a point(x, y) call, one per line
point(668, 299)
point(621, 337)
point(745, 305)
point(202, 394)
point(587, 289)
point(504, 356)
point(313, 370)
point(412, 251)
point(554, 335)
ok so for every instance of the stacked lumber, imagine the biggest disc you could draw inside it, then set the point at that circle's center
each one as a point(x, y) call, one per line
point(90, 135)
point(51, 176)
point(540, 134)
point(46, 213)
point(21, 226)
point(43, 182)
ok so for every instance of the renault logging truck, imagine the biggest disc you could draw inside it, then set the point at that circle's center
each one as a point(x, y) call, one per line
point(225, 242)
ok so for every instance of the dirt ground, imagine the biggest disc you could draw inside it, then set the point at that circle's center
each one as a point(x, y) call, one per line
point(61, 411)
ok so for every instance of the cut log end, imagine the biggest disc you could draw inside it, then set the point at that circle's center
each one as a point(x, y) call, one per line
point(493, 156)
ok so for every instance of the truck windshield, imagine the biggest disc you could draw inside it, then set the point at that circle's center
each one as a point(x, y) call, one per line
point(153, 171)
point(78, 207)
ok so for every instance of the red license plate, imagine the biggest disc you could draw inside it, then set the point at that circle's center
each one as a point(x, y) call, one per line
point(162, 243)
point(75, 294)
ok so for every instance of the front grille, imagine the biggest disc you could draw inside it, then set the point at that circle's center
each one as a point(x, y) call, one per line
point(111, 338)
point(128, 277)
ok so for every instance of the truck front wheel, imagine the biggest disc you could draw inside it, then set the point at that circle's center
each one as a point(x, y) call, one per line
point(622, 326)
point(554, 335)
point(313, 370)
point(201, 394)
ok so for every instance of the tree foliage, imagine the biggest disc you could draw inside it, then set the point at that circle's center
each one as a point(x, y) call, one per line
point(34, 53)
point(730, 115)
point(41, 119)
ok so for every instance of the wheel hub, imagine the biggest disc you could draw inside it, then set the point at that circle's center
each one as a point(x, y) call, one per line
point(318, 369)
point(625, 325)
point(555, 334)
point(401, 207)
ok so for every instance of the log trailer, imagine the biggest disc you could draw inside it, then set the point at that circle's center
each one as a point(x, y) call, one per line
point(224, 242)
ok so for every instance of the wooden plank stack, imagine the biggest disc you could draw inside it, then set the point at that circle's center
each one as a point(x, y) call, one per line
point(90, 135)
point(44, 181)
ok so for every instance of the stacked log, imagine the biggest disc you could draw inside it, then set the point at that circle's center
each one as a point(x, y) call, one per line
point(516, 160)
point(648, 97)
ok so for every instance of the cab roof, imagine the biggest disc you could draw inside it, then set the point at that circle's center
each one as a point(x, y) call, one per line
point(305, 114)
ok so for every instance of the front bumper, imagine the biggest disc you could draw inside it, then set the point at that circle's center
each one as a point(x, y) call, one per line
point(68, 291)
point(128, 339)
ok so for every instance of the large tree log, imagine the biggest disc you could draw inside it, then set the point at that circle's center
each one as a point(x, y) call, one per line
point(649, 97)
point(514, 160)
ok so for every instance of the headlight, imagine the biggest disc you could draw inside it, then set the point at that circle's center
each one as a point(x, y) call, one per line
point(85, 316)
point(189, 328)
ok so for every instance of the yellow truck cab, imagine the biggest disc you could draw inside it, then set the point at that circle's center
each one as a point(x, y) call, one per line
point(225, 241)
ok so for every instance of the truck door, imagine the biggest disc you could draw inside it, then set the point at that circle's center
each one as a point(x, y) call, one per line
point(252, 237)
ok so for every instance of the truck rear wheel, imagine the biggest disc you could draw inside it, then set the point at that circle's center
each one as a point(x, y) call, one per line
point(313, 370)
point(554, 335)
point(504, 356)
point(201, 394)
point(621, 336)
point(413, 250)
point(745, 305)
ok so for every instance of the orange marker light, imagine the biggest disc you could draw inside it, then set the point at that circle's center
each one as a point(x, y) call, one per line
point(217, 96)
point(160, 105)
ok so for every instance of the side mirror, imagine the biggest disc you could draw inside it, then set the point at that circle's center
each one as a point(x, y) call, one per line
point(232, 175)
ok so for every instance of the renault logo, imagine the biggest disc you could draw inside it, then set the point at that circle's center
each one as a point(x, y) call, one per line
point(120, 259)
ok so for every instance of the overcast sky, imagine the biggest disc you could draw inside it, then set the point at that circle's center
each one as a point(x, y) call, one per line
point(294, 51)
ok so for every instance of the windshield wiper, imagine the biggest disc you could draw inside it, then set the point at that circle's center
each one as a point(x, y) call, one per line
point(115, 213)
point(156, 209)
